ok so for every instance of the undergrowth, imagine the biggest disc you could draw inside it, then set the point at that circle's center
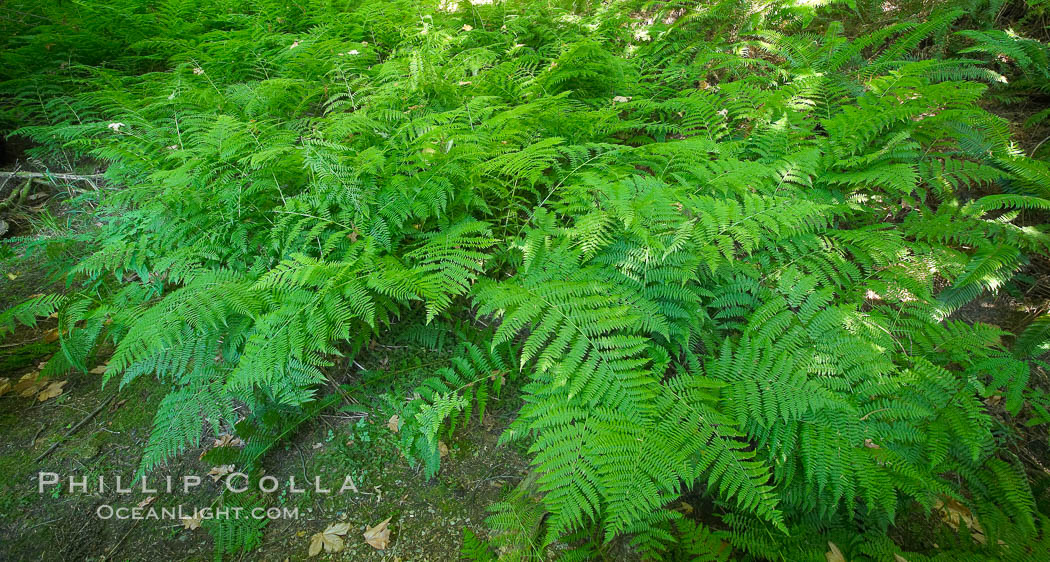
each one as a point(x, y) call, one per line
point(720, 250)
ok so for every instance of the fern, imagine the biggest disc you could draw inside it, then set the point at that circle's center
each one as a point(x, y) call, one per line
point(27, 312)
point(1033, 340)
point(719, 254)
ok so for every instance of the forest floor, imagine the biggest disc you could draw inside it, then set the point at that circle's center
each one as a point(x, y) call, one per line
point(427, 516)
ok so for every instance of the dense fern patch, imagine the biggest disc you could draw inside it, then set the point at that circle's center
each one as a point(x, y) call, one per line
point(721, 252)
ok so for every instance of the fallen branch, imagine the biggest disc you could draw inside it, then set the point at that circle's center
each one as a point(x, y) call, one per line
point(17, 195)
point(74, 429)
point(48, 175)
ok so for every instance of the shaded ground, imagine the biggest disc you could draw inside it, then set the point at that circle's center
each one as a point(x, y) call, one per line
point(427, 517)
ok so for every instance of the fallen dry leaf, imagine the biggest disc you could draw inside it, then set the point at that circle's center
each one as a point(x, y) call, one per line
point(5, 385)
point(27, 380)
point(30, 391)
point(52, 390)
point(147, 501)
point(330, 539)
point(227, 440)
point(467, 27)
point(442, 449)
point(51, 335)
point(99, 369)
point(955, 513)
point(29, 385)
point(379, 536)
point(218, 472)
point(191, 523)
point(12, 276)
point(621, 99)
point(834, 554)
point(394, 423)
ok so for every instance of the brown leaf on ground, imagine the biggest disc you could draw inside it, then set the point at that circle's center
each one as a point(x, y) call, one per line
point(394, 423)
point(227, 440)
point(330, 539)
point(218, 472)
point(99, 369)
point(51, 335)
point(5, 386)
point(442, 449)
point(379, 535)
point(147, 501)
point(27, 380)
point(955, 514)
point(834, 554)
point(50, 391)
point(29, 385)
point(191, 523)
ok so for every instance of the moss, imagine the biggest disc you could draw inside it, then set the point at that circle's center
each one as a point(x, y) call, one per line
point(25, 356)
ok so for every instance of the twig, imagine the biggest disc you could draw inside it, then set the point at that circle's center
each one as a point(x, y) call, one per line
point(44, 523)
point(33, 441)
point(15, 344)
point(346, 397)
point(500, 477)
point(1037, 146)
point(302, 458)
point(121, 541)
point(74, 429)
point(7, 179)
